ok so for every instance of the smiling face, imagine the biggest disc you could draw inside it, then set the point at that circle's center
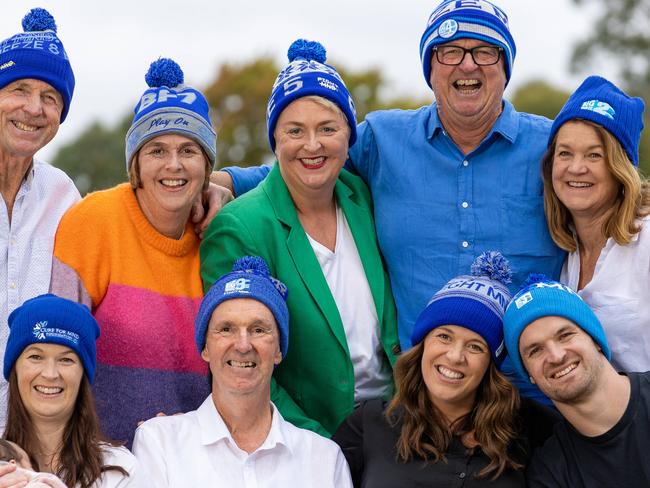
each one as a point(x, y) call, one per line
point(561, 359)
point(311, 146)
point(172, 173)
point(453, 364)
point(30, 113)
point(581, 177)
point(468, 90)
point(242, 347)
point(49, 376)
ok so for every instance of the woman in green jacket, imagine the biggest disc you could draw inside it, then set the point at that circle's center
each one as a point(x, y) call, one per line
point(312, 223)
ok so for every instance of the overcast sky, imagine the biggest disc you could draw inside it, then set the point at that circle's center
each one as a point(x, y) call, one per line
point(111, 44)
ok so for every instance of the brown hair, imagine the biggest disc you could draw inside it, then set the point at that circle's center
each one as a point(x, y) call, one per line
point(424, 433)
point(8, 451)
point(80, 458)
point(632, 202)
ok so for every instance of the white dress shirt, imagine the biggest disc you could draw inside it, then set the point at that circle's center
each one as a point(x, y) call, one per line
point(26, 244)
point(122, 457)
point(196, 449)
point(619, 294)
point(346, 278)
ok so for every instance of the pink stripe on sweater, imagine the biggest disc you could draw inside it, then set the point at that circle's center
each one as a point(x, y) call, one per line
point(143, 329)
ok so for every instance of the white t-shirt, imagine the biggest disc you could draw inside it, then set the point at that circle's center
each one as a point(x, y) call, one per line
point(619, 294)
point(196, 449)
point(344, 273)
point(121, 456)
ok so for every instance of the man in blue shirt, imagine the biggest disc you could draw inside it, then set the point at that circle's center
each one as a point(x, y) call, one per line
point(460, 176)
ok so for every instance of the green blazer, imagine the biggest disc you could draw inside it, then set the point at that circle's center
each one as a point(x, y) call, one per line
point(313, 387)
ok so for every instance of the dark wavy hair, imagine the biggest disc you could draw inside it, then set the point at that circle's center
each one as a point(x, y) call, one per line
point(493, 420)
point(80, 460)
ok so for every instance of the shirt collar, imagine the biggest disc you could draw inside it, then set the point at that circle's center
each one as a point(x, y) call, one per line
point(507, 124)
point(214, 429)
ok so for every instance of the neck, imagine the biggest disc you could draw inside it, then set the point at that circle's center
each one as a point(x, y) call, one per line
point(589, 229)
point(602, 408)
point(468, 132)
point(248, 417)
point(12, 174)
point(169, 224)
point(50, 440)
point(313, 202)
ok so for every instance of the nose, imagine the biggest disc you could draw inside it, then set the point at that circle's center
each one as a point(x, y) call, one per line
point(577, 165)
point(555, 353)
point(312, 143)
point(50, 370)
point(456, 353)
point(174, 161)
point(243, 342)
point(33, 105)
point(467, 63)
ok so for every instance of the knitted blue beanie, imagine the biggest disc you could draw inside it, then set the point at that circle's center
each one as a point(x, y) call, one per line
point(249, 278)
point(38, 53)
point(305, 75)
point(50, 319)
point(540, 297)
point(467, 19)
point(600, 101)
point(476, 302)
point(170, 107)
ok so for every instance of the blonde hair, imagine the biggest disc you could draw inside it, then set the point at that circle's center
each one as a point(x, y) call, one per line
point(632, 201)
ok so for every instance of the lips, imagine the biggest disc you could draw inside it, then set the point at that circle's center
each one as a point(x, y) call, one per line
point(48, 390)
point(173, 183)
point(467, 86)
point(241, 364)
point(449, 373)
point(24, 127)
point(313, 163)
point(579, 184)
point(564, 371)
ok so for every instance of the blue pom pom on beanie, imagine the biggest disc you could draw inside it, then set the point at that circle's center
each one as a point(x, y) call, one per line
point(540, 297)
point(472, 19)
point(49, 319)
point(305, 75)
point(476, 302)
point(38, 53)
point(249, 278)
point(170, 107)
point(600, 101)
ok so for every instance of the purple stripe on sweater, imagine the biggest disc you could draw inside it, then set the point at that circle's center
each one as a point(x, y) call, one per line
point(125, 396)
point(143, 329)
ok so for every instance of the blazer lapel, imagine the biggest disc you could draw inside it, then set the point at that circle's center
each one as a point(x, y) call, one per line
point(302, 253)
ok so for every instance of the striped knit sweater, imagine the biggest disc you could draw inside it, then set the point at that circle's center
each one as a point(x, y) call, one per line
point(144, 290)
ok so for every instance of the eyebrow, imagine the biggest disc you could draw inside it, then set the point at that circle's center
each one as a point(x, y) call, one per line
point(595, 146)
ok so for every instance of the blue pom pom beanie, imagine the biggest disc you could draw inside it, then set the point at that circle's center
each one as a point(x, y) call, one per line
point(467, 19)
point(476, 302)
point(50, 319)
point(170, 107)
point(540, 297)
point(600, 101)
point(38, 53)
point(305, 75)
point(249, 278)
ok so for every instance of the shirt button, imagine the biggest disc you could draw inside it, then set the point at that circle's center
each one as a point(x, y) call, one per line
point(466, 163)
point(465, 204)
point(12, 285)
point(465, 244)
point(461, 475)
point(13, 241)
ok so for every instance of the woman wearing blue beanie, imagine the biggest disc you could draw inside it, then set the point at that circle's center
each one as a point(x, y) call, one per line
point(312, 223)
point(455, 419)
point(49, 363)
point(598, 209)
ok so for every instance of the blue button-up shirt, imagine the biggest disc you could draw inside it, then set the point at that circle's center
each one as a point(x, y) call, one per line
point(436, 208)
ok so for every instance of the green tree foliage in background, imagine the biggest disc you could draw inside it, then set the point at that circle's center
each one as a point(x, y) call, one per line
point(621, 37)
point(538, 97)
point(237, 98)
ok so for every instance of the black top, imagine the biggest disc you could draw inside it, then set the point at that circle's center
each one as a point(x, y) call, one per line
point(369, 444)
point(618, 458)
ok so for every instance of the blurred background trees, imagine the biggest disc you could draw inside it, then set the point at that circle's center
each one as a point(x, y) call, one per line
point(239, 92)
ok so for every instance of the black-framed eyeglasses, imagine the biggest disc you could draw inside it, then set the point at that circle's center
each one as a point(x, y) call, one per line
point(454, 55)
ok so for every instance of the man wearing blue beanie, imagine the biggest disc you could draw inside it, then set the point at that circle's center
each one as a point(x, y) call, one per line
point(36, 87)
point(457, 177)
point(558, 343)
point(238, 437)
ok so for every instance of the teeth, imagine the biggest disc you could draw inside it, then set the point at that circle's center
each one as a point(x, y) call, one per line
point(565, 371)
point(448, 373)
point(173, 182)
point(579, 184)
point(241, 364)
point(312, 162)
point(25, 127)
point(48, 390)
point(467, 82)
